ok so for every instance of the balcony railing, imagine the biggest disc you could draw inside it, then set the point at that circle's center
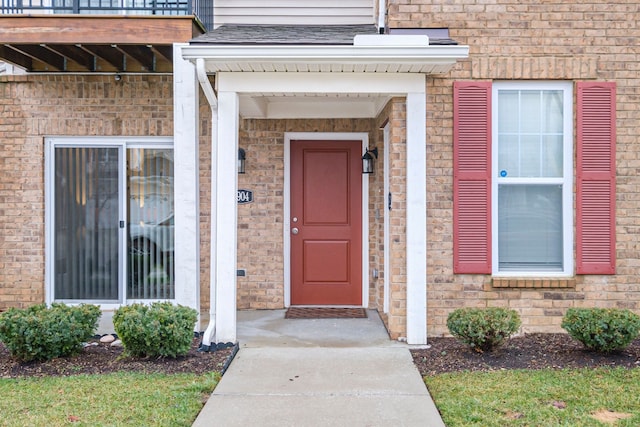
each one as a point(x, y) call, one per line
point(202, 9)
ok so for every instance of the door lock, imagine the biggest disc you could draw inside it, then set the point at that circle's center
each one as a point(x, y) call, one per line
point(294, 230)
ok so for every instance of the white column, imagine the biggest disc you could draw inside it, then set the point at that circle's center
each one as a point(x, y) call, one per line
point(186, 185)
point(226, 216)
point(416, 219)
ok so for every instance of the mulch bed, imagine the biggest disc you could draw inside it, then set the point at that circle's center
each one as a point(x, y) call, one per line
point(325, 313)
point(530, 351)
point(101, 358)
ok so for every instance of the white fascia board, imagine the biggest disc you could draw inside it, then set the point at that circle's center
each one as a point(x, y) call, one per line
point(217, 55)
point(336, 53)
point(337, 83)
point(314, 110)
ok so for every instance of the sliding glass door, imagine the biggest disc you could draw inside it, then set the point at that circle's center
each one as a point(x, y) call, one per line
point(86, 232)
point(110, 221)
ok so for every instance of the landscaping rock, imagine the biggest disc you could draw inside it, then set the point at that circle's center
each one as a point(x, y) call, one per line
point(106, 339)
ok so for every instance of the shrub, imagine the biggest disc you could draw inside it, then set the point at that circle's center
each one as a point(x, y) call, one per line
point(41, 333)
point(157, 330)
point(602, 329)
point(483, 328)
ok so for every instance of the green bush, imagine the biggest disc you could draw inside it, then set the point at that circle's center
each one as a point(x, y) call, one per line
point(41, 333)
point(157, 330)
point(483, 328)
point(602, 329)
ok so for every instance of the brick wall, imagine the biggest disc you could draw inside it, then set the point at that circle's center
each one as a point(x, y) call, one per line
point(35, 106)
point(377, 207)
point(21, 203)
point(397, 227)
point(205, 205)
point(528, 39)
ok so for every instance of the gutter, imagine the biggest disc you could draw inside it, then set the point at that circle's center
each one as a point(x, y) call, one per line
point(329, 54)
point(208, 336)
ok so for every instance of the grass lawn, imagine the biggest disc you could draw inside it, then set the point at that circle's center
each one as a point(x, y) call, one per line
point(121, 399)
point(578, 397)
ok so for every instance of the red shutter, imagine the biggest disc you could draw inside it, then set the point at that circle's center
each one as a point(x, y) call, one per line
point(596, 178)
point(472, 177)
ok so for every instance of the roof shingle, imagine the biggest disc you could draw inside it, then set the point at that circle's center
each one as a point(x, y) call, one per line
point(284, 34)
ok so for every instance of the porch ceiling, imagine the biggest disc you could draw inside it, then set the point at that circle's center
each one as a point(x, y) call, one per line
point(93, 43)
point(311, 105)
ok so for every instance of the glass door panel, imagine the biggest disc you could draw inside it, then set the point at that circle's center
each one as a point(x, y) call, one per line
point(86, 226)
point(150, 260)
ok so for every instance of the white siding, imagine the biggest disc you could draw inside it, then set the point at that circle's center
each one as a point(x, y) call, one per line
point(292, 12)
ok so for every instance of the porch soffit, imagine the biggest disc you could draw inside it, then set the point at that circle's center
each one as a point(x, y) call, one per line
point(317, 95)
point(327, 59)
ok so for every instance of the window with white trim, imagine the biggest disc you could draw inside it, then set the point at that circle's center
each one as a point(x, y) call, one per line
point(110, 219)
point(532, 169)
point(512, 178)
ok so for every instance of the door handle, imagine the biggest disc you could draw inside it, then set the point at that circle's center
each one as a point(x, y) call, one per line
point(294, 230)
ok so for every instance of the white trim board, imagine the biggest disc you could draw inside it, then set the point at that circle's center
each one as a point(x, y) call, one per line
point(306, 83)
point(324, 136)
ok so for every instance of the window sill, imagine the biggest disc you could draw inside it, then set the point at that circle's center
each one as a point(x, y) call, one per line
point(527, 283)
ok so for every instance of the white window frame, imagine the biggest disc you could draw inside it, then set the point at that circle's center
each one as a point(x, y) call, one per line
point(124, 143)
point(566, 181)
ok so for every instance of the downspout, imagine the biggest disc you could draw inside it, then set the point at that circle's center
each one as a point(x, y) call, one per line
point(382, 14)
point(209, 334)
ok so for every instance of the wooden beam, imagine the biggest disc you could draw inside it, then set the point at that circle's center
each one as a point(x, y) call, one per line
point(9, 55)
point(75, 54)
point(111, 55)
point(97, 29)
point(141, 54)
point(166, 51)
point(41, 54)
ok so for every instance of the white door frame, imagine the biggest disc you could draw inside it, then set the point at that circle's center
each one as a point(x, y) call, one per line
point(324, 136)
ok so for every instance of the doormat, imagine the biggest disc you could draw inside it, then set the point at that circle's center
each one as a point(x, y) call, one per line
point(325, 313)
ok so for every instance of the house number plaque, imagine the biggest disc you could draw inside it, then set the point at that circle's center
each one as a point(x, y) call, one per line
point(244, 196)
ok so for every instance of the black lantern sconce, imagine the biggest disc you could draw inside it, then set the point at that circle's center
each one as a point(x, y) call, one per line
point(242, 156)
point(367, 160)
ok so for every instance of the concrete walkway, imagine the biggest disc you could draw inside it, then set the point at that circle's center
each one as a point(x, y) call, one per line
point(330, 372)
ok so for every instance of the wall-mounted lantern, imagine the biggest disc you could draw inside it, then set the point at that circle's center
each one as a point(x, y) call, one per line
point(242, 156)
point(367, 160)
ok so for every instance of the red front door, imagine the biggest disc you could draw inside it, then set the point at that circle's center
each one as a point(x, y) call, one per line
point(326, 223)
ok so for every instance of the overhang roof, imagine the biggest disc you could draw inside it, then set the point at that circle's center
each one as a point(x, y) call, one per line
point(308, 34)
point(304, 48)
point(284, 34)
point(313, 51)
